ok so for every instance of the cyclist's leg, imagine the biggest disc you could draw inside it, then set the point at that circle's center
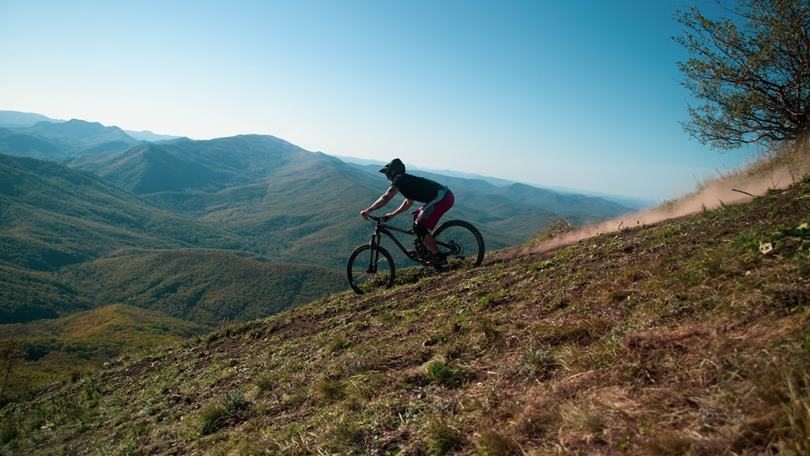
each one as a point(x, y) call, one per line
point(429, 216)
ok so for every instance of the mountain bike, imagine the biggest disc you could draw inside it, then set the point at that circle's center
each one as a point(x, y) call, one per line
point(371, 267)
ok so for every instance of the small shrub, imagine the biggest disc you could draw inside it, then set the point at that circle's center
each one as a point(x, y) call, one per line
point(347, 433)
point(330, 390)
point(445, 375)
point(211, 417)
point(234, 402)
point(336, 344)
point(539, 363)
point(490, 331)
point(494, 444)
point(265, 383)
point(442, 439)
point(8, 431)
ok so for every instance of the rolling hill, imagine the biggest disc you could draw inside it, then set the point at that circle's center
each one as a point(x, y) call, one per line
point(27, 295)
point(203, 286)
point(685, 337)
point(70, 241)
point(51, 216)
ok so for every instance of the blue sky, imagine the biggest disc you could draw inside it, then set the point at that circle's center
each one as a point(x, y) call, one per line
point(580, 94)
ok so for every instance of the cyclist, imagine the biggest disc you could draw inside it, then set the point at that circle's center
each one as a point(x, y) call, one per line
point(437, 200)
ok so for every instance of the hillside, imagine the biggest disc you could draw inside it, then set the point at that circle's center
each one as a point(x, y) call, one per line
point(31, 295)
point(56, 349)
point(686, 337)
point(206, 287)
point(51, 215)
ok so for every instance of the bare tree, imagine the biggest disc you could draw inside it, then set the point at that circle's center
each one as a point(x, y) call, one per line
point(750, 71)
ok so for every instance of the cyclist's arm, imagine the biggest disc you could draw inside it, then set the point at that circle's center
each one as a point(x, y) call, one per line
point(402, 208)
point(382, 200)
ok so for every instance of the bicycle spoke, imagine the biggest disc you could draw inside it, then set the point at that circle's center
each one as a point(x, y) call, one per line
point(363, 280)
point(460, 244)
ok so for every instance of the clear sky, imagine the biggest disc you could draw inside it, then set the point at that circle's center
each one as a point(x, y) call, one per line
point(580, 94)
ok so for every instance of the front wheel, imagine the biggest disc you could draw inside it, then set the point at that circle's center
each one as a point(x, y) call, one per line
point(370, 268)
point(460, 242)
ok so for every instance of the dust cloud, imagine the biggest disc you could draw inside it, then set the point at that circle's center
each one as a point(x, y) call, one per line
point(776, 170)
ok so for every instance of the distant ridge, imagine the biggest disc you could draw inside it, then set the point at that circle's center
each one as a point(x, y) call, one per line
point(146, 135)
point(16, 119)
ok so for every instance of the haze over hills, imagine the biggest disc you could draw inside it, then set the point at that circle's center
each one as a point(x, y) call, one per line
point(625, 201)
point(35, 135)
point(16, 119)
point(301, 205)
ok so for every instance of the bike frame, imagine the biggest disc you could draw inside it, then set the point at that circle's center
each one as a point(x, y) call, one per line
point(380, 228)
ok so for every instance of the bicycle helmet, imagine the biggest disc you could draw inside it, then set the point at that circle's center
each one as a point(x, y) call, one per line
point(393, 168)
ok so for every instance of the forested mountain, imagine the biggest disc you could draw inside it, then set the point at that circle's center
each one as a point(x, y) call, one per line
point(53, 215)
point(281, 200)
point(204, 286)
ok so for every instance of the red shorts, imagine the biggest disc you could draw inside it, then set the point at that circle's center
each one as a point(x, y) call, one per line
point(429, 214)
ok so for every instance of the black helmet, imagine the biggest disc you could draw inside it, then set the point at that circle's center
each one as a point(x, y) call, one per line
point(393, 168)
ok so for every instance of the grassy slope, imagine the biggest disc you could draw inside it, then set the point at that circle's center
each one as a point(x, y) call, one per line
point(207, 287)
point(681, 337)
point(82, 341)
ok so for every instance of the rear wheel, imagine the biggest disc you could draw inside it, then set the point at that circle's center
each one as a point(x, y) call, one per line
point(369, 269)
point(460, 242)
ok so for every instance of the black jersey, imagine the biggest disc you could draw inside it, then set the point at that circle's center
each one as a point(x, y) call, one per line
point(417, 188)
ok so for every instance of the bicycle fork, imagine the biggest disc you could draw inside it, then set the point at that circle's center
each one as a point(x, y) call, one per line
point(374, 255)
